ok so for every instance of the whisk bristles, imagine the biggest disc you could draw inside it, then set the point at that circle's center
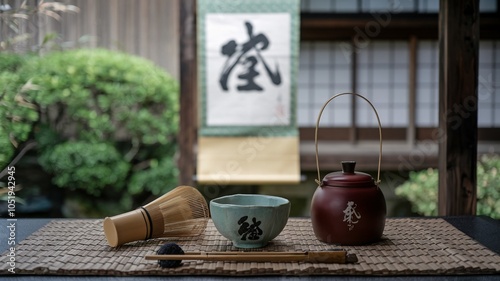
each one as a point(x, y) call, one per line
point(181, 212)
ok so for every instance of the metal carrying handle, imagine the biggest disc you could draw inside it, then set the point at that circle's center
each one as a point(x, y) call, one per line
point(318, 180)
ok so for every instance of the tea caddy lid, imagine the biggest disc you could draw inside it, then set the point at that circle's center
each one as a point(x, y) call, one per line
point(348, 177)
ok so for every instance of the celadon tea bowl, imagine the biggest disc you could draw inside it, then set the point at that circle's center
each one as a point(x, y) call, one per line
point(250, 220)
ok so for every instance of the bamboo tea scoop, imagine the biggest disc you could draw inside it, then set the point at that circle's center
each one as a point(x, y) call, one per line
point(338, 256)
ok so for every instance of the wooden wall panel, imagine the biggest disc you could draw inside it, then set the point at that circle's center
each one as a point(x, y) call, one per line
point(147, 28)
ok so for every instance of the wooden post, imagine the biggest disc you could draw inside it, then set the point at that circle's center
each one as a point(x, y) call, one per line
point(412, 93)
point(458, 86)
point(187, 125)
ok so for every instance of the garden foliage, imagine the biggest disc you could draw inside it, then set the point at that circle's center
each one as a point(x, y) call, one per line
point(422, 189)
point(102, 121)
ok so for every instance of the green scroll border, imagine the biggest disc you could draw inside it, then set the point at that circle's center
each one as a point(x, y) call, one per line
point(254, 6)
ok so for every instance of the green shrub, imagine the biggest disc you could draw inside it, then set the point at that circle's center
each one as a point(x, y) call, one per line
point(422, 189)
point(88, 166)
point(488, 193)
point(107, 123)
point(7, 126)
point(11, 62)
point(17, 114)
point(100, 95)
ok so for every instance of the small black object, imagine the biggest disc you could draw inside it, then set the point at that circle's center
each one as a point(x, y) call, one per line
point(170, 249)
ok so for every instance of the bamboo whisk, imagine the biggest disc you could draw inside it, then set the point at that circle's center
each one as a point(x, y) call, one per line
point(181, 212)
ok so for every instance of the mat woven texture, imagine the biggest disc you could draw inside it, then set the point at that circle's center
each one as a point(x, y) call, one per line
point(408, 247)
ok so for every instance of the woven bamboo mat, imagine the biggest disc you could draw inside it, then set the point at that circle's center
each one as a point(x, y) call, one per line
point(408, 247)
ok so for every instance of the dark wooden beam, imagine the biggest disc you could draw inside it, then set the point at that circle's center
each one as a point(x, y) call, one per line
point(393, 26)
point(483, 134)
point(389, 133)
point(400, 159)
point(187, 124)
point(345, 134)
point(366, 27)
point(458, 85)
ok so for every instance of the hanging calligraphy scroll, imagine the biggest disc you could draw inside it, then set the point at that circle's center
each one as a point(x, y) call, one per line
point(248, 61)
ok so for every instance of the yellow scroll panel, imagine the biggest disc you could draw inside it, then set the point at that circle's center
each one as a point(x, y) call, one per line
point(248, 160)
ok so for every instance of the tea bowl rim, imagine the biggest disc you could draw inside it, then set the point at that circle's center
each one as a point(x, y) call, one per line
point(282, 201)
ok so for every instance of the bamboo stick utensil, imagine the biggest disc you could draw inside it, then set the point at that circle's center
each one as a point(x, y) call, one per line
point(339, 256)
